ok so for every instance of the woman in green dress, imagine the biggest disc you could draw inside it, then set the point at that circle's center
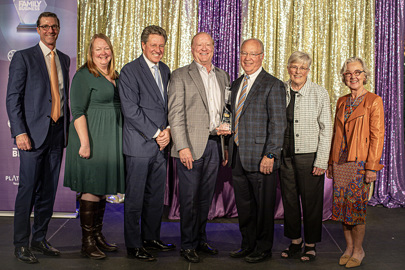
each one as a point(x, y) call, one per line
point(94, 159)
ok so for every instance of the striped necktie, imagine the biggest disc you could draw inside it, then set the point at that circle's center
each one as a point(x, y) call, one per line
point(239, 107)
point(55, 111)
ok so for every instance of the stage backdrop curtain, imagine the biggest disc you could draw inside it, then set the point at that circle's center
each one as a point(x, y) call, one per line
point(222, 20)
point(123, 21)
point(389, 84)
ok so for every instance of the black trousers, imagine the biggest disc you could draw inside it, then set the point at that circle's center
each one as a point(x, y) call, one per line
point(297, 181)
point(255, 197)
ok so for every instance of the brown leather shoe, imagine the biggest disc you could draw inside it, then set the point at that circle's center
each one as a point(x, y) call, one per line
point(98, 226)
point(89, 246)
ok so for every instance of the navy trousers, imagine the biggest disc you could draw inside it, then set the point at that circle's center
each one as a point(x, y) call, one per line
point(39, 175)
point(144, 198)
point(196, 189)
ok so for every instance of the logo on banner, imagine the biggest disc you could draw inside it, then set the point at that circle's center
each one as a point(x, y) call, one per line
point(10, 55)
point(12, 179)
point(15, 152)
point(28, 12)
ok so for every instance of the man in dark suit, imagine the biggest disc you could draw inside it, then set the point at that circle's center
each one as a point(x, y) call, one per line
point(37, 106)
point(258, 123)
point(196, 101)
point(143, 93)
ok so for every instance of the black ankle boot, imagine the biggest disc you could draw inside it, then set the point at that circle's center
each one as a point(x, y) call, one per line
point(98, 226)
point(89, 246)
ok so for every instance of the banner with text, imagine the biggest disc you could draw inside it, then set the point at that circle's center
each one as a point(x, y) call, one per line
point(18, 31)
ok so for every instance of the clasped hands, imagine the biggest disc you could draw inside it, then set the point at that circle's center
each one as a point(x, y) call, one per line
point(163, 139)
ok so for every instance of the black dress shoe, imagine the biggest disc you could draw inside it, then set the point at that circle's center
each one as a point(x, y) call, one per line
point(243, 252)
point(140, 254)
point(190, 255)
point(158, 245)
point(45, 248)
point(256, 256)
point(206, 248)
point(24, 254)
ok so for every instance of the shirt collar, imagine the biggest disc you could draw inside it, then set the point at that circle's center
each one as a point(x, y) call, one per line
point(201, 67)
point(255, 74)
point(149, 63)
point(304, 88)
point(45, 50)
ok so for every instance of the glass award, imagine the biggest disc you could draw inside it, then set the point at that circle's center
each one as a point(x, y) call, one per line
point(226, 122)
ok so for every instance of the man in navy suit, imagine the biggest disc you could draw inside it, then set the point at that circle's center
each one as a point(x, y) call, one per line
point(37, 107)
point(259, 122)
point(143, 93)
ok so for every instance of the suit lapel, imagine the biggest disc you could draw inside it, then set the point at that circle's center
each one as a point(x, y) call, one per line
point(253, 90)
point(165, 81)
point(148, 74)
point(42, 66)
point(235, 90)
point(195, 75)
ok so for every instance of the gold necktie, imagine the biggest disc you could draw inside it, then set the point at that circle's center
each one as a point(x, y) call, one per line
point(55, 112)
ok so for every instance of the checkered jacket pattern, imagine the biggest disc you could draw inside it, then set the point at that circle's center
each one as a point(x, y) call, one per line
point(262, 122)
point(312, 122)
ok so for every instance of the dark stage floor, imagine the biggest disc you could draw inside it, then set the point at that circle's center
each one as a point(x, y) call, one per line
point(384, 245)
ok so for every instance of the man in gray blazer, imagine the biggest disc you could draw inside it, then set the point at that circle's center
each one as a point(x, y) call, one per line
point(259, 122)
point(196, 100)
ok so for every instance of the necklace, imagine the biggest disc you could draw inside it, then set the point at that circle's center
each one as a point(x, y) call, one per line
point(354, 102)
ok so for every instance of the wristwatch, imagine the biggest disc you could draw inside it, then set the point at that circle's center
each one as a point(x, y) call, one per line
point(270, 155)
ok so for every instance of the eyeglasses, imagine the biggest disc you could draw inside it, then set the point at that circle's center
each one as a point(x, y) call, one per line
point(46, 27)
point(356, 73)
point(295, 68)
point(245, 54)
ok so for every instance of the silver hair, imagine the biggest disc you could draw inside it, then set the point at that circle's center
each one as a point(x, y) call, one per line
point(300, 57)
point(363, 64)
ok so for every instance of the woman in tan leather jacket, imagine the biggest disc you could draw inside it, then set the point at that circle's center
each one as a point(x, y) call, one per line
point(357, 144)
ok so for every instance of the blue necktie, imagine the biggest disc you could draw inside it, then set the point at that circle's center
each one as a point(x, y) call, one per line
point(158, 80)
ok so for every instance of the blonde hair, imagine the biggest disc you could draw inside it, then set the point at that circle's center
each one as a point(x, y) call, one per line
point(93, 69)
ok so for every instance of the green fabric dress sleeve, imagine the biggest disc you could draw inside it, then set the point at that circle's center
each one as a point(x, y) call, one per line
point(80, 93)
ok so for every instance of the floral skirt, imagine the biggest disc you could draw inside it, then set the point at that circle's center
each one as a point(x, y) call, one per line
point(350, 193)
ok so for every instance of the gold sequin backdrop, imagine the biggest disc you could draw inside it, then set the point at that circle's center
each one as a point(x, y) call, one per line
point(123, 21)
point(329, 30)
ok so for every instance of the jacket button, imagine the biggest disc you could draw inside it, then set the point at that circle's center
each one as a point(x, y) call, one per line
point(296, 121)
point(297, 135)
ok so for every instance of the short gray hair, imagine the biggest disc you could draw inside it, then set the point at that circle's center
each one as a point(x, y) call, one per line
point(363, 64)
point(298, 57)
point(256, 39)
point(153, 30)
